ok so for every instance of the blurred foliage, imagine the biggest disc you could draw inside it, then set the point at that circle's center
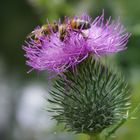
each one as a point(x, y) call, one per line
point(18, 18)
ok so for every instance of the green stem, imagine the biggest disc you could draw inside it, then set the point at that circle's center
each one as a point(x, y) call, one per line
point(94, 137)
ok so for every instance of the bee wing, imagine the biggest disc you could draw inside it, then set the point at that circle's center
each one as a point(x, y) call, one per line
point(36, 32)
point(30, 35)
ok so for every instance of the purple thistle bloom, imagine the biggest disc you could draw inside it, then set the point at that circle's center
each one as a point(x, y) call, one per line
point(53, 54)
point(106, 37)
point(49, 52)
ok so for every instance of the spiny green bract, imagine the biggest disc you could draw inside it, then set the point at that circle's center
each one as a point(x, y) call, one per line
point(90, 99)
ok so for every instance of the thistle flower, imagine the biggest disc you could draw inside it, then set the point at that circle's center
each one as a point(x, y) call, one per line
point(49, 52)
point(53, 54)
point(93, 98)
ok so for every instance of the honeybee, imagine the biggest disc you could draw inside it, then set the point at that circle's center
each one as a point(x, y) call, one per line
point(79, 24)
point(74, 24)
point(49, 28)
point(44, 30)
point(62, 29)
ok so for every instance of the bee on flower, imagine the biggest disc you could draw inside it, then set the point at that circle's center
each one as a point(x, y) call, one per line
point(59, 46)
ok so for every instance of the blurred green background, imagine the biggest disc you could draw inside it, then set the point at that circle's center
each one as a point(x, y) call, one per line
point(22, 102)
